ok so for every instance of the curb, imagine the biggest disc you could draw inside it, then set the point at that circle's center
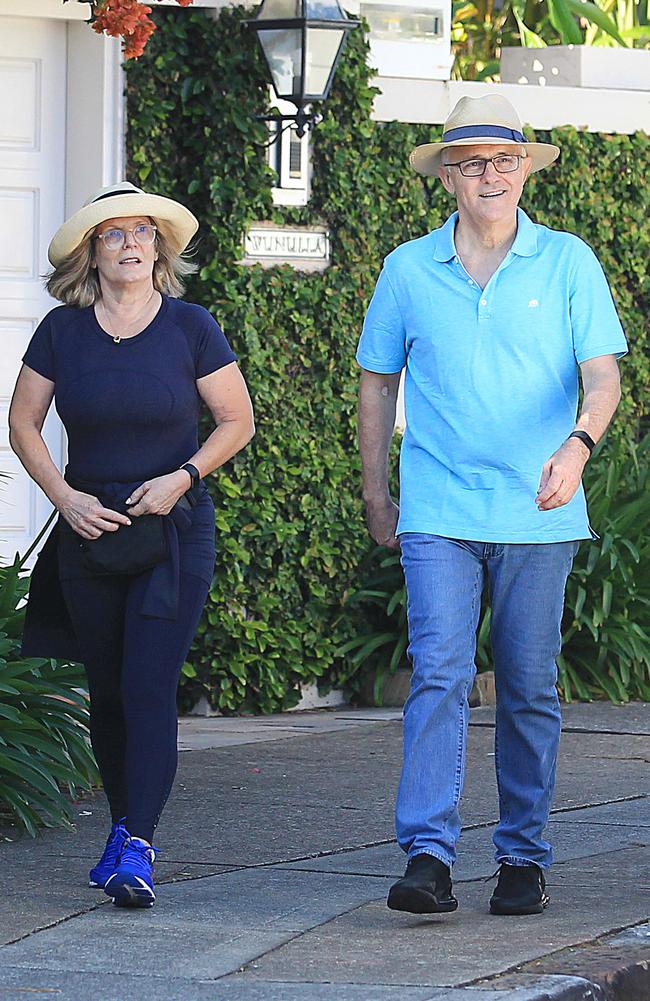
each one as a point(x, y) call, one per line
point(615, 967)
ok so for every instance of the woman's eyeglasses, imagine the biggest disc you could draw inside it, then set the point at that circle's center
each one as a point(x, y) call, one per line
point(113, 239)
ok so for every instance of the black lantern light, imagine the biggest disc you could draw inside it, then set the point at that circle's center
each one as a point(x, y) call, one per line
point(302, 41)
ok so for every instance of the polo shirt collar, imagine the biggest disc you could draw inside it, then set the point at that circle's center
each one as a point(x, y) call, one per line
point(525, 244)
point(445, 250)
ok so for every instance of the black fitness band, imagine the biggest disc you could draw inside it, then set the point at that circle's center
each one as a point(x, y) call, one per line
point(193, 471)
point(585, 438)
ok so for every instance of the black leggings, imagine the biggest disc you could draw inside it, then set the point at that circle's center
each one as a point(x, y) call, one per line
point(133, 664)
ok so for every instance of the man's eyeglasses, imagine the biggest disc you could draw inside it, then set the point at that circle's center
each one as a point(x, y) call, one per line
point(504, 163)
point(113, 239)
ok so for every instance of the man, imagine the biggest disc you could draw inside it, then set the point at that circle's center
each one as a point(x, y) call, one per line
point(492, 316)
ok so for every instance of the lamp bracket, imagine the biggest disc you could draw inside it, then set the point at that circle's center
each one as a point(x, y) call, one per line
point(302, 120)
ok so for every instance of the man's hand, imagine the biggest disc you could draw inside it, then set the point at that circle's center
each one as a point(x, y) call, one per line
point(377, 406)
point(381, 517)
point(561, 475)
point(159, 495)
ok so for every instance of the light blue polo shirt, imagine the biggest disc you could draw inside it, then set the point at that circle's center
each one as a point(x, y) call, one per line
point(491, 388)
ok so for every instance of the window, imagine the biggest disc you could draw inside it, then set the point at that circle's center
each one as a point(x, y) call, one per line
point(403, 24)
point(289, 157)
point(409, 40)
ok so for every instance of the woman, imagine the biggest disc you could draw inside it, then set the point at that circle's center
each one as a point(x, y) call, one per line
point(128, 363)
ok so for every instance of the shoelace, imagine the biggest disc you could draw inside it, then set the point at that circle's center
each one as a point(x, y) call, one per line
point(139, 856)
point(118, 830)
point(115, 840)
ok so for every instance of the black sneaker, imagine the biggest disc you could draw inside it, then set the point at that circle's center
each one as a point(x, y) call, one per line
point(425, 887)
point(520, 890)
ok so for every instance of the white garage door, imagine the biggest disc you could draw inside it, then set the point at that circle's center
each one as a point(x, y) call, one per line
point(32, 165)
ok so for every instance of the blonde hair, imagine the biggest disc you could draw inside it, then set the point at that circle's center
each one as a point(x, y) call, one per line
point(76, 283)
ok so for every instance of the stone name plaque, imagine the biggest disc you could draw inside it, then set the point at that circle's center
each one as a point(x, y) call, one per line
point(305, 248)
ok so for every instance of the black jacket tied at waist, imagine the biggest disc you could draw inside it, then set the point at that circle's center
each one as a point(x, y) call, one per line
point(161, 595)
point(48, 630)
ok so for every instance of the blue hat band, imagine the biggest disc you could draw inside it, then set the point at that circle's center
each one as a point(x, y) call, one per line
point(481, 131)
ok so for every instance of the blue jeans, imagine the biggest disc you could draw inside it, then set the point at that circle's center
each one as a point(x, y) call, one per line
point(444, 580)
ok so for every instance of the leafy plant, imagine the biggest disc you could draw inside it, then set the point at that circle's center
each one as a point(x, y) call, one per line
point(126, 19)
point(607, 621)
point(383, 642)
point(45, 755)
point(481, 28)
point(290, 528)
point(606, 628)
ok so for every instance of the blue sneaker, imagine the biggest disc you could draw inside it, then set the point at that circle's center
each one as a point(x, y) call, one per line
point(109, 861)
point(131, 885)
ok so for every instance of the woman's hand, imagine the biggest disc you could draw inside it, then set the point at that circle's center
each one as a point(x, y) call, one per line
point(159, 495)
point(87, 517)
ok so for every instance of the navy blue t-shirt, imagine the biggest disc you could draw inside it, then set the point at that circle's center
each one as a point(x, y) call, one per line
point(131, 410)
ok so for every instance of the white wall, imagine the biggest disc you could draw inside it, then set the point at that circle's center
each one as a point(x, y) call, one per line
point(95, 130)
point(32, 186)
point(430, 101)
point(61, 138)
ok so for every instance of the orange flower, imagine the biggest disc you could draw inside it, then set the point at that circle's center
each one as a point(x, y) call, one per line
point(127, 18)
point(184, 3)
point(135, 43)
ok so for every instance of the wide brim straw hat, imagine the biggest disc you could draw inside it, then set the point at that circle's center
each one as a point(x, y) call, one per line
point(175, 222)
point(481, 121)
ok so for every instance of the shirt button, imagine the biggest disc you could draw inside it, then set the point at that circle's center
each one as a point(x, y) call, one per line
point(483, 302)
point(469, 281)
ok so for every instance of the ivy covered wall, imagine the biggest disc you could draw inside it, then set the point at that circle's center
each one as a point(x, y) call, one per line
point(290, 531)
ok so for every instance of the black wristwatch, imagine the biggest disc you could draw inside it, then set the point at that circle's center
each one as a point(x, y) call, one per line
point(194, 473)
point(585, 438)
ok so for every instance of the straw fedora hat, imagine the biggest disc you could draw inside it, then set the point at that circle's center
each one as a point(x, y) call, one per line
point(477, 121)
point(175, 221)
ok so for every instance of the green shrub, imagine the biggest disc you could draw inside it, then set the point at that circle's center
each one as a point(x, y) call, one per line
point(381, 646)
point(607, 620)
point(45, 755)
point(290, 528)
point(606, 626)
